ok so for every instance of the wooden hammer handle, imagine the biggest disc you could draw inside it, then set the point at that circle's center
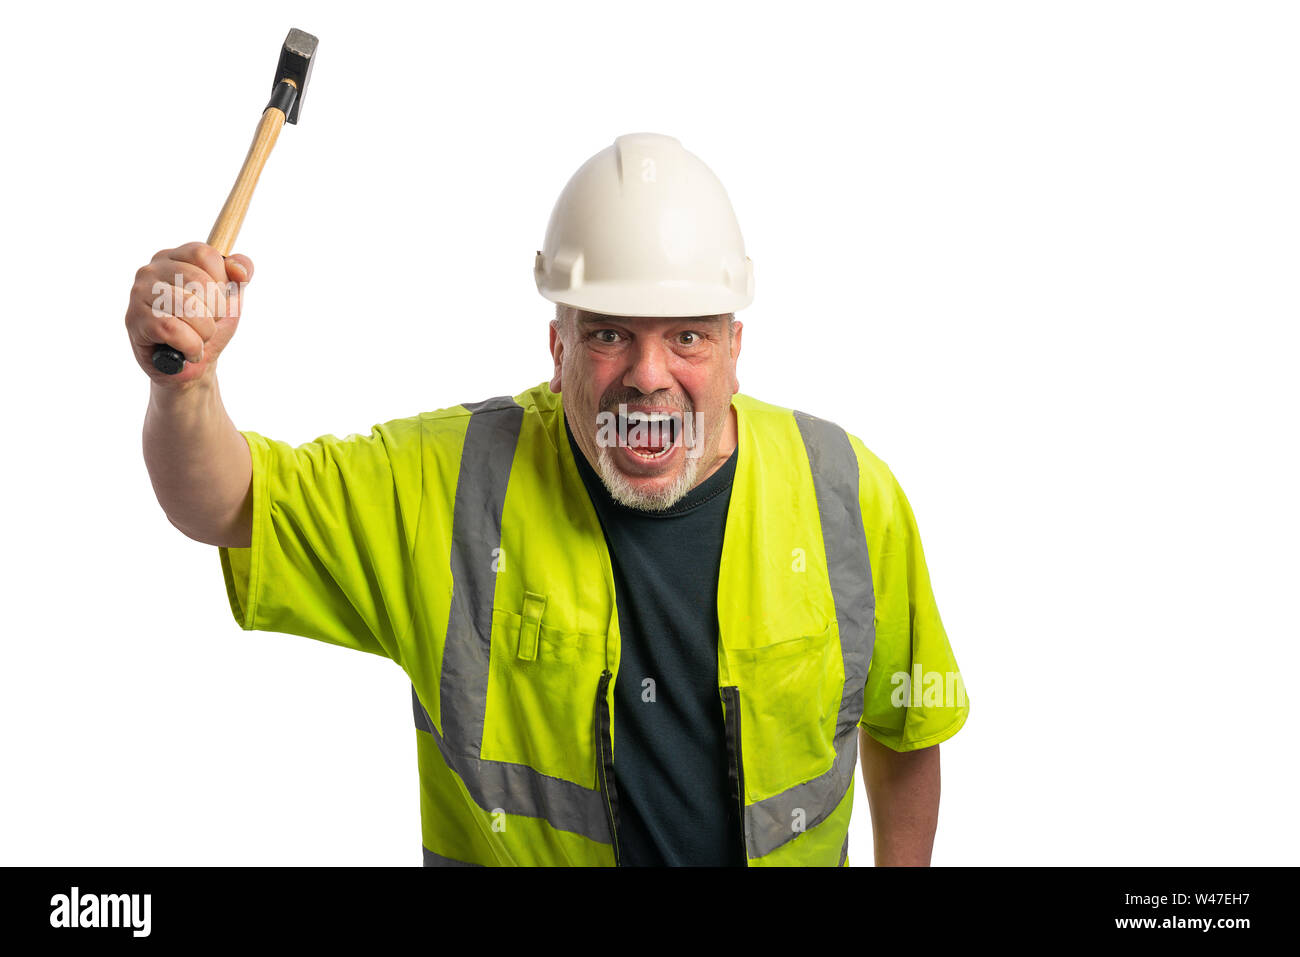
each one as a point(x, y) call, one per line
point(226, 228)
point(222, 238)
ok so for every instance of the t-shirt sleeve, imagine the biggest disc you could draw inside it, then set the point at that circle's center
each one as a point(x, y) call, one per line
point(333, 526)
point(915, 696)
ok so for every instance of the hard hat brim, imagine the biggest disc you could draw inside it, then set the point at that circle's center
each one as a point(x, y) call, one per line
point(662, 299)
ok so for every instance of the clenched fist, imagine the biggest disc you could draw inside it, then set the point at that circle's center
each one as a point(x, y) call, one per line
point(188, 298)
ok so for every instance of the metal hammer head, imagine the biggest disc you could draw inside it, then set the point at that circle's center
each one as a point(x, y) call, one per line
point(295, 64)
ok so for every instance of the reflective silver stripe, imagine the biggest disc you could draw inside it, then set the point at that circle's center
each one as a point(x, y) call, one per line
point(485, 461)
point(769, 823)
point(518, 789)
point(437, 860)
point(484, 475)
point(844, 851)
point(835, 477)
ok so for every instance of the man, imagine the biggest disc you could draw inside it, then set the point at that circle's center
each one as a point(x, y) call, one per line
point(647, 619)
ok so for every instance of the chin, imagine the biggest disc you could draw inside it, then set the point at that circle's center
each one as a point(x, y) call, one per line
point(647, 495)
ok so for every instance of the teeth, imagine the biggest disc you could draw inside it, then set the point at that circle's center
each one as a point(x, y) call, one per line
point(669, 426)
point(650, 455)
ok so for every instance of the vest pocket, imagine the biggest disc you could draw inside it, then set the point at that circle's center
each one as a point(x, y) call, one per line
point(541, 685)
point(790, 694)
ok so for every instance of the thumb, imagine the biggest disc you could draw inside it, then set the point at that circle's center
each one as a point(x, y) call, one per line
point(239, 268)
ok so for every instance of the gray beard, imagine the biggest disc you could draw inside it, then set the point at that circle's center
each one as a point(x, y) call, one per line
point(625, 493)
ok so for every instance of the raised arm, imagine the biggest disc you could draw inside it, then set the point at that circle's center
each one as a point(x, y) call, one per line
point(200, 465)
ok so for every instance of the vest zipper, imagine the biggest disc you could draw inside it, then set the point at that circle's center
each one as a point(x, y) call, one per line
point(605, 761)
point(735, 762)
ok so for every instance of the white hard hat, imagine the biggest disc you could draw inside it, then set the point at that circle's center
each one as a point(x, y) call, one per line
point(644, 228)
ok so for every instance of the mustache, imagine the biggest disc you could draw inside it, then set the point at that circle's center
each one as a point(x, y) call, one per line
point(612, 400)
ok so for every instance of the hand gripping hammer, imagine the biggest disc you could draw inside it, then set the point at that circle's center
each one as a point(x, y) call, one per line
point(287, 90)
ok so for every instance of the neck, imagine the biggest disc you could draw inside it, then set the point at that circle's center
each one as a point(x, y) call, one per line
point(726, 446)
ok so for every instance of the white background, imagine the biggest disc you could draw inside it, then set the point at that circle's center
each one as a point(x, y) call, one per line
point(1041, 257)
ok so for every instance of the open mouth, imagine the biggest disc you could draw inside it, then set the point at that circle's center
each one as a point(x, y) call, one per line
point(649, 435)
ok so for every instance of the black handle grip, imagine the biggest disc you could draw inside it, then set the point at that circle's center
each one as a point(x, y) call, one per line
point(167, 360)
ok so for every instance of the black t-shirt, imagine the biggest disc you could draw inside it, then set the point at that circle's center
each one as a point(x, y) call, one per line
point(670, 756)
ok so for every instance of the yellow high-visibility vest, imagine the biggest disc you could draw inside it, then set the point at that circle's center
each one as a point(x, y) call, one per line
point(463, 545)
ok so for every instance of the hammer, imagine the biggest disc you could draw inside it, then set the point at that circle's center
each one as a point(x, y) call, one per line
point(287, 90)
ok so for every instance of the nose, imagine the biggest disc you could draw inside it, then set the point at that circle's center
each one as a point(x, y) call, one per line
point(649, 371)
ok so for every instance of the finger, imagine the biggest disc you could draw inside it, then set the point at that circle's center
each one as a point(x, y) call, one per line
point(181, 273)
point(186, 306)
point(175, 332)
point(240, 270)
point(239, 267)
point(205, 257)
point(184, 252)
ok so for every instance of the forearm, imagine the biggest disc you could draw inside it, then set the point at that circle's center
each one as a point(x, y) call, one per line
point(903, 791)
point(199, 464)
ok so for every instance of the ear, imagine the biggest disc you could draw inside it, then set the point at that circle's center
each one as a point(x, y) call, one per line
point(735, 356)
point(557, 353)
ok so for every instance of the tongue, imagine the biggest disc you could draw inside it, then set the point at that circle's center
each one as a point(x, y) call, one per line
point(643, 444)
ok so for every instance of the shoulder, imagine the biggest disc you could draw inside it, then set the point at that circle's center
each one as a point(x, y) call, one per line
point(444, 430)
point(878, 489)
point(876, 480)
point(538, 399)
point(883, 505)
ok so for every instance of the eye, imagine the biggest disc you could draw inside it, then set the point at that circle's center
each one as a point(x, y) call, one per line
point(607, 336)
point(688, 338)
